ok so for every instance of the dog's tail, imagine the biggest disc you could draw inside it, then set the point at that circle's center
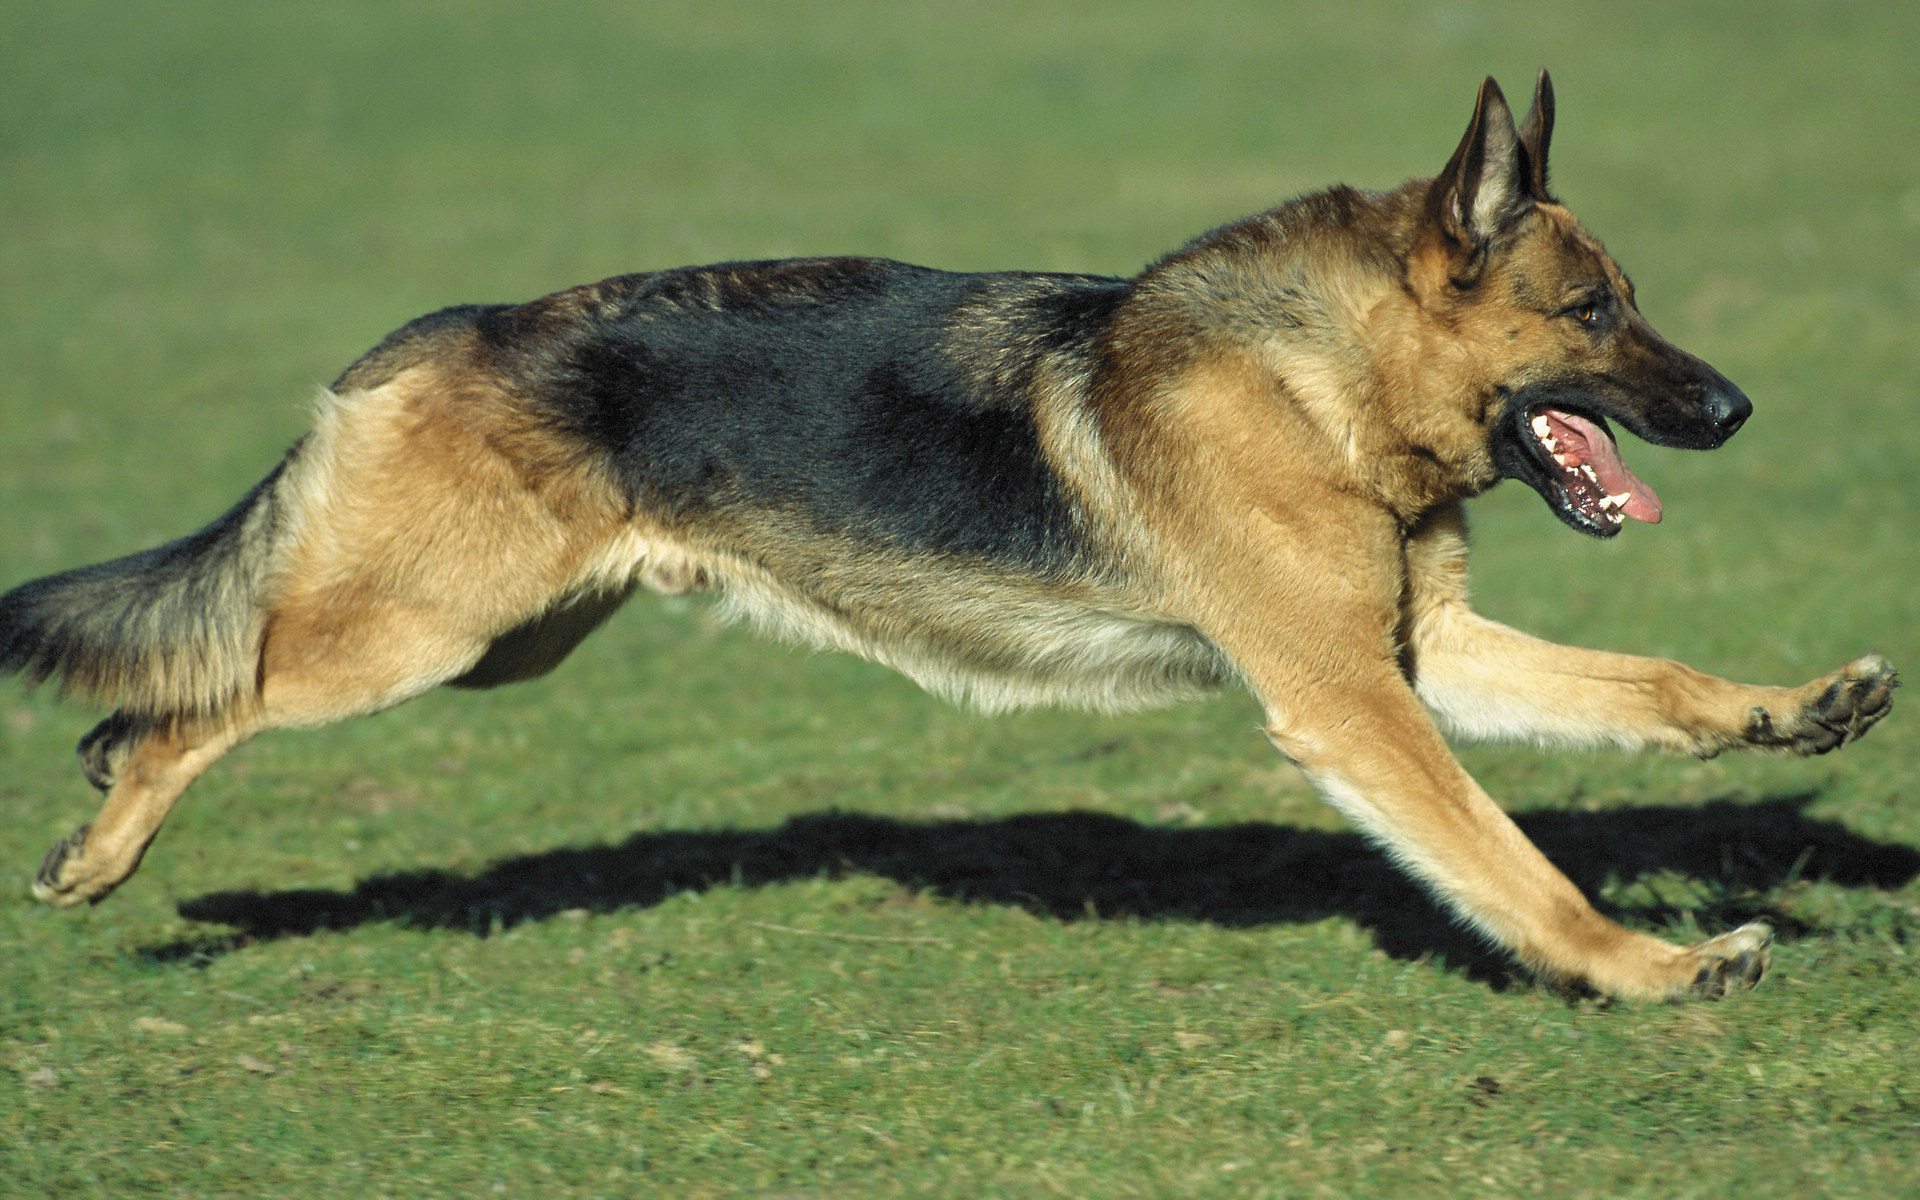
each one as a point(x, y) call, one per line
point(172, 631)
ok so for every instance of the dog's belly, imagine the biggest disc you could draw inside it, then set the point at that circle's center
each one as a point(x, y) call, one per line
point(992, 644)
point(969, 631)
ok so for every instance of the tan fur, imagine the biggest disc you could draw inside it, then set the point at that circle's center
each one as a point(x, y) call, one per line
point(1308, 489)
point(361, 621)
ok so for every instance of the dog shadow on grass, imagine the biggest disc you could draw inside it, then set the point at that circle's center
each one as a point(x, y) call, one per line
point(1732, 861)
point(1734, 858)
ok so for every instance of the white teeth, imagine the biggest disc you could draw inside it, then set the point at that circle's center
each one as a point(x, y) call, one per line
point(1544, 432)
point(1566, 460)
point(1587, 470)
point(1619, 501)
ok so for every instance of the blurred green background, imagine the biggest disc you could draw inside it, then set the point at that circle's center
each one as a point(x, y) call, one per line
point(207, 210)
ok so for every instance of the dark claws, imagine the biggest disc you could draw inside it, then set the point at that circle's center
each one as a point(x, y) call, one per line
point(46, 881)
point(1739, 971)
point(1845, 710)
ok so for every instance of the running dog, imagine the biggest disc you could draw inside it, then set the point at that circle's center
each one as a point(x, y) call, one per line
point(1245, 465)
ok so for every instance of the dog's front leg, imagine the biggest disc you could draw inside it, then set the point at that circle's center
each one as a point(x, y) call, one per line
point(1363, 739)
point(1487, 681)
point(1313, 637)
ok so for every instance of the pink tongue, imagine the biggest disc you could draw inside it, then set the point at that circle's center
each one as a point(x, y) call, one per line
point(1604, 457)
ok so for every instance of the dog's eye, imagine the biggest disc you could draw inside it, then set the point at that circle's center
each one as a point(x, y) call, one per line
point(1592, 312)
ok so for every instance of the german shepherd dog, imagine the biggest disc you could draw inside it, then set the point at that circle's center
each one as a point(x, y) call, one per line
point(1244, 465)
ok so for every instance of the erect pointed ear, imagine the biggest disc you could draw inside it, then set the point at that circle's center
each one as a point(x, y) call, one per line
point(1535, 134)
point(1483, 188)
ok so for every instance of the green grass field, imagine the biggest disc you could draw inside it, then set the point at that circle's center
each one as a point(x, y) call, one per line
point(703, 916)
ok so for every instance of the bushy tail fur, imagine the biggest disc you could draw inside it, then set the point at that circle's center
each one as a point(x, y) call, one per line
point(172, 631)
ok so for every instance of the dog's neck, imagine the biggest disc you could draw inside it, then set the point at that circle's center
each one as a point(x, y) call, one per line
point(1302, 295)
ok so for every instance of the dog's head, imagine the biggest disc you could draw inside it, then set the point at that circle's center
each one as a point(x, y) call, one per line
point(1553, 317)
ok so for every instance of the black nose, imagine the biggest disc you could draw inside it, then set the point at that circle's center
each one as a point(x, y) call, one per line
point(1728, 409)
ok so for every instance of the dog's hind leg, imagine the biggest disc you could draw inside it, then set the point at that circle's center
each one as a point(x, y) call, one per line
point(427, 529)
point(316, 667)
point(145, 767)
point(323, 660)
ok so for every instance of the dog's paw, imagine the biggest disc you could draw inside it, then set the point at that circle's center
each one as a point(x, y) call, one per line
point(98, 762)
point(62, 880)
point(106, 748)
point(1835, 710)
point(1732, 962)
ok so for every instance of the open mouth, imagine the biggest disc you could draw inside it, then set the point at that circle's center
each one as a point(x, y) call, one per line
point(1588, 483)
